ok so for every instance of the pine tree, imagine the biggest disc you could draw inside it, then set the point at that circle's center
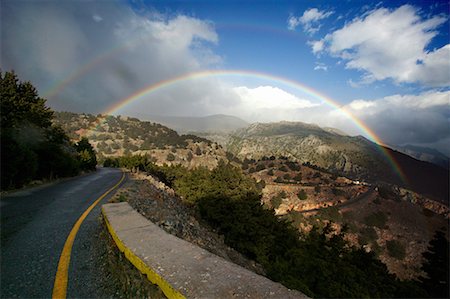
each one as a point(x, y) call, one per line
point(436, 266)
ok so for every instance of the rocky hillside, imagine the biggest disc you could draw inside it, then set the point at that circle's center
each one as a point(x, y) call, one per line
point(355, 157)
point(374, 217)
point(114, 136)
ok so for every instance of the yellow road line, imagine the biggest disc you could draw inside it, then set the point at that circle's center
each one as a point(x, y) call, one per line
point(154, 277)
point(62, 274)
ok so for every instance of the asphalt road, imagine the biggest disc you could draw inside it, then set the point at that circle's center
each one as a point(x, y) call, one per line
point(349, 202)
point(34, 226)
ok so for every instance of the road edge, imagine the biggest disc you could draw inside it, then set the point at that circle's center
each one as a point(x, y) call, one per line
point(152, 276)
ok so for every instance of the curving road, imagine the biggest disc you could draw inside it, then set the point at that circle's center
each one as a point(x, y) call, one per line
point(363, 196)
point(34, 226)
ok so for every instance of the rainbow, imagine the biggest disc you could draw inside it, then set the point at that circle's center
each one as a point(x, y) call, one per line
point(59, 85)
point(288, 82)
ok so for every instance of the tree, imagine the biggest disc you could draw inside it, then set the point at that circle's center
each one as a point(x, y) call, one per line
point(396, 249)
point(31, 147)
point(86, 153)
point(21, 105)
point(302, 195)
point(198, 151)
point(170, 157)
point(260, 167)
point(189, 156)
point(436, 267)
point(298, 177)
point(276, 201)
point(377, 219)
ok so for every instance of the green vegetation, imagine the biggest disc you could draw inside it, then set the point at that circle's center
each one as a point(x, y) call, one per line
point(320, 263)
point(260, 167)
point(298, 177)
point(377, 219)
point(338, 192)
point(130, 130)
point(396, 249)
point(32, 148)
point(296, 218)
point(86, 153)
point(436, 266)
point(367, 235)
point(293, 166)
point(276, 201)
point(302, 195)
point(331, 213)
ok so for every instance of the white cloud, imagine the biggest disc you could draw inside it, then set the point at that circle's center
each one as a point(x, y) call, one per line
point(317, 46)
point(401, 119)
point(293, 22)
point(309, 20)
point(391, 44)
point(314, 15)
point(269, 97)
point(361, 104)
point(97, 18)
point(320, 66)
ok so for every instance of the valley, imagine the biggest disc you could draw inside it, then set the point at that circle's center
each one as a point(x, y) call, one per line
point(308, 175)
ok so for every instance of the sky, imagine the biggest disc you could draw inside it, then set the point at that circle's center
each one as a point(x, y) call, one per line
point(384, 63)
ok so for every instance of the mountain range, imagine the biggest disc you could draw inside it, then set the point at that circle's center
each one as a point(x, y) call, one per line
point(424, 154)
point(353, 156)
point(212, 123)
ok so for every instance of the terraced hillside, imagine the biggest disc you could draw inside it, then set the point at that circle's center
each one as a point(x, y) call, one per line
point(355, 157)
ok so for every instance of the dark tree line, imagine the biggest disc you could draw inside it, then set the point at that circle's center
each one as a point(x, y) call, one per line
point(31, 146)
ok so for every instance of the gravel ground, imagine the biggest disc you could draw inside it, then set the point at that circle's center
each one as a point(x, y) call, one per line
point(159, 204)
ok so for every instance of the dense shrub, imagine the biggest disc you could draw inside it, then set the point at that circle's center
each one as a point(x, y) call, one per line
point(302, 195)
point(367, 235)
point(170, 157)
point(396, 249)
point(377, 219)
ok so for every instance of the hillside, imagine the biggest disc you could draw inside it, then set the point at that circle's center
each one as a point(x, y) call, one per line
point(355, 157)
point(424, 154)
point(371, 216)
point(113, 136)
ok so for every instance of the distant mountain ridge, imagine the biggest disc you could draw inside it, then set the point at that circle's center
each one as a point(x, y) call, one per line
point(211, 123)
point(424, 154)
point(356, 157)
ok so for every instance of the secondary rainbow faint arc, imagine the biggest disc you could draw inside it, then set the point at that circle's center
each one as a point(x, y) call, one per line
point(211, 73)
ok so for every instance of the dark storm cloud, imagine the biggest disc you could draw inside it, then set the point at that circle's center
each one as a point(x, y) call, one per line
point(109, 50)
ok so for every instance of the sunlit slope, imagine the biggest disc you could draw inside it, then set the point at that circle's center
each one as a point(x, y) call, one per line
point(356, 157)
point(113, 136)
